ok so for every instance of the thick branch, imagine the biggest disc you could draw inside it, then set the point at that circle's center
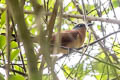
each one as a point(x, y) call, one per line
point(18, 16)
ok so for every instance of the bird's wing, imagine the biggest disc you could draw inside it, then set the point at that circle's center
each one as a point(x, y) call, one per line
point(66, 37)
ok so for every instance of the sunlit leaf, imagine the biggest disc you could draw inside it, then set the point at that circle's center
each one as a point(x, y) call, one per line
point(101, 77)
point(69, 6)
point(116, 47)
point(115, 3)
point(101, 55)
point(51, 5)
point(33, 30)
point(3, 18)
point(67, 69)
point(2, 1)
point(16, 67)
point(14, 44)
point(2, 41)
point(29, 20)
point(14, 54)
point(28, 5)
point(16, 77)
point(99, 27)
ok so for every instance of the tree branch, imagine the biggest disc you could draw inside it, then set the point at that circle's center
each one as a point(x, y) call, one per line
point(8, 43)
point(18, 17)
point(52, 19)
point(91, 18)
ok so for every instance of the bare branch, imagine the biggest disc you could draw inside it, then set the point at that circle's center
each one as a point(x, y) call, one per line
point(91, 18)
point(8, 43)
point(18, 17)
point(52, 19)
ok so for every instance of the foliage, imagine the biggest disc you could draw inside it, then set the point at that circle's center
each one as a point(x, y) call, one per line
point(100, 60)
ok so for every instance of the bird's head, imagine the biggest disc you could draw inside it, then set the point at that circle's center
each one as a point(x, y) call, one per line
point(81, 25)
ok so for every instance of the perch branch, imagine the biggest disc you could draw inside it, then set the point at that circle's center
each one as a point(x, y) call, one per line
point(87, 44)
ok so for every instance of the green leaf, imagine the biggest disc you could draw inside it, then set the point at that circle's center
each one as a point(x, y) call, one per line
point(18, 68)
point(29, 20)
point(67, 69)
point(14, 54)
point(101, 55)
point(80, 72)
point(116, 48)
point(1, 77)
point(28, 5)
point(51, 5)
point(45, 77)
point(40, 1)
point(16, 77)
point(99, 67)
point(67, 7)
point(99, 27)
point(2, 41)
point(103, 77)
point(14, 44)
point(2, 1)
point(33, 30)
point(3, 18)
point(115, 3)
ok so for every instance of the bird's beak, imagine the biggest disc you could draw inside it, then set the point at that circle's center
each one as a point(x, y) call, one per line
point(89, 24)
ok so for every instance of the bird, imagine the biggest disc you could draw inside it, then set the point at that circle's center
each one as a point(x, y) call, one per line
point(71, 38)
